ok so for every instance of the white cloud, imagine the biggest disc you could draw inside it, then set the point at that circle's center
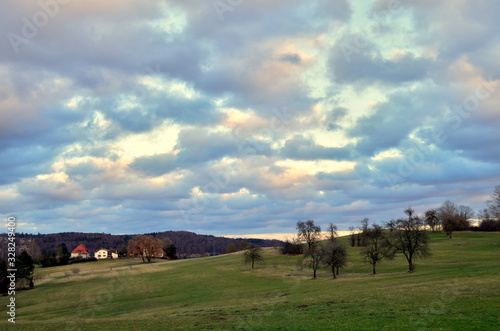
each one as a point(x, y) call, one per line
point(168, 116)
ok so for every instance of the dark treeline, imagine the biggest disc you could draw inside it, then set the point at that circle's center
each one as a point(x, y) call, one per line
point(487, 225)
point(188, 244)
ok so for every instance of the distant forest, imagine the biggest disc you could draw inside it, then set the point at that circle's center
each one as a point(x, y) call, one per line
point(188, 244)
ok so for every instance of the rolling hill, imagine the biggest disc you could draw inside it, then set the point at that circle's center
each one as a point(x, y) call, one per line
point(457, 288)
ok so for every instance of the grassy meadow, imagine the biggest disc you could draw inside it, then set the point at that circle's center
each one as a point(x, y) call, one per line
point(457, 288)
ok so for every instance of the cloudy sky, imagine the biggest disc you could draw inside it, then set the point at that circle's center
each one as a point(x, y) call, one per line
point(244, 116)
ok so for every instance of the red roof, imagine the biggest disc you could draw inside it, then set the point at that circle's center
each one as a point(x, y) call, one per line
point(80, 249)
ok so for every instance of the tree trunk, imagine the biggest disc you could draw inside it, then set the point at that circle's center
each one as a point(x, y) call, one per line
point(333, 272)
point(253, 261)
point(337, 270)
point(314, 275)
point(411, 267)
point(373, 268)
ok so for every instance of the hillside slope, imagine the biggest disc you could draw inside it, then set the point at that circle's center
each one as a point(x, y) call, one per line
point(457, 288)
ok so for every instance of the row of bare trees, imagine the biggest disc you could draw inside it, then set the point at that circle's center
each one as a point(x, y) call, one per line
point(332, 253)
point(407, 237)
point(450, 217)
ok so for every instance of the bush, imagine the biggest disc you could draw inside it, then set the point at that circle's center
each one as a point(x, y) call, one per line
point(38, 276)
point(291, 248)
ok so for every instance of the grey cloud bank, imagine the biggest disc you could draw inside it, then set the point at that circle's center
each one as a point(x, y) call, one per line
point(127, 117)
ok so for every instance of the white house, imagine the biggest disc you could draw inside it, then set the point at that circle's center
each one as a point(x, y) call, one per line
point(114, 255)
point(101, 254)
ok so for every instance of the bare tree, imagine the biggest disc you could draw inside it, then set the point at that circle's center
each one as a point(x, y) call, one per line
point(361, 234)
point(494, 203)
point(332, 231)
point(314, 257)
point(34, 250)
point(431, 219)
point(465, 213)
point(334, 253)
point(447, 214)
point(335, 256)
point(144, 246)
point(309, 232)
point(410, 238)
point(454, 218)
point(377, 247)
point(352, 236)
point(484, 214)
point(253, 253)
point(364, 224)
point(391, 225)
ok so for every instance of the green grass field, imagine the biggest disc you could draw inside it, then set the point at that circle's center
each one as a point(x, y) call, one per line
point(457, 288)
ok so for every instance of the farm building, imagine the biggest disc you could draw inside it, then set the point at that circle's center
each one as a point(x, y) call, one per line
point(101, 254)
point(80, 252)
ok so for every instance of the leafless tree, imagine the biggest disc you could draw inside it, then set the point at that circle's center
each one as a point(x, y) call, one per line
point(335, 256)
point(377, 247)
point(431, 219)
point(334, 253)
point(361, 234)
point(465, 213)
point(332, 231)
point(454, 218)
point(410, 238)
point(252, 253)
point(313, 258)
point(352, 236)
point(391, 225)
point(494, 203)
point(309, 232)
point(484, 214)
point(144, 246)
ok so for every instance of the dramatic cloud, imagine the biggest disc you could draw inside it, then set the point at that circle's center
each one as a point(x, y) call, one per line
point(237, 117)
